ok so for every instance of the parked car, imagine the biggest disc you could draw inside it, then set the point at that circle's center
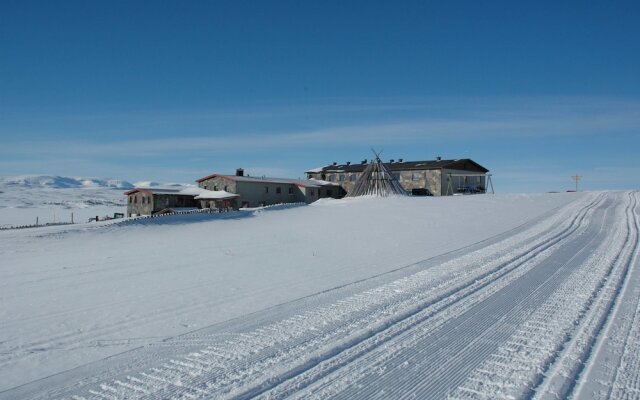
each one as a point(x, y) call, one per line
point(465, 190)
point(421, 192)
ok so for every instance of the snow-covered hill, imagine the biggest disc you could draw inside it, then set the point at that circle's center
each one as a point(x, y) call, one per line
point(25, 198)
point(483, 296)
point(61, 182)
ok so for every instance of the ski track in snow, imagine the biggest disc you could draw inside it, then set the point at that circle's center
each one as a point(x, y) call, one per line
point(552, 311)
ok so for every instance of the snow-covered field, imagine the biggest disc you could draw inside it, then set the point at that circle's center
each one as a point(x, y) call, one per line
point(52, 199)
point(503, 296)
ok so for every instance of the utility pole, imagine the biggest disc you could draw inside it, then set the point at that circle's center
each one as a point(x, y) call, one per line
point(576, 178)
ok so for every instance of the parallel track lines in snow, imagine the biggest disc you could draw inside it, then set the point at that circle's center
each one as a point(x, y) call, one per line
point(598, 308)
point(626, 381)
point(465, 301)
point(430, 372)
point(613, 370)
point(568, 320)
point(377, 340)
point(244, 371)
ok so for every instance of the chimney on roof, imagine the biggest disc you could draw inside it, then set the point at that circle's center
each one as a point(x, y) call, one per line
point(335, 163)
point(348, 162)
point(391, 161)
point(363, 161)
point(400, 160)
point(239, 172)
point(439, 158)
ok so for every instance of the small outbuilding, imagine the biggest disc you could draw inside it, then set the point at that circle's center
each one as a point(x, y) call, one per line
point(152, 200)
point(164, 199)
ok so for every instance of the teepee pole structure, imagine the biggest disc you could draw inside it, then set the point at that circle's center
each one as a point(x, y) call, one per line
point(376, 180)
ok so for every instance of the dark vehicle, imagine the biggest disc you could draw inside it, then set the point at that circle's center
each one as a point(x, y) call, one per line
point(421, 192)
point(465, 190)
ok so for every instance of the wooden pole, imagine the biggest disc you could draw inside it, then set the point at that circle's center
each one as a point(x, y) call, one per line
point(576, 178)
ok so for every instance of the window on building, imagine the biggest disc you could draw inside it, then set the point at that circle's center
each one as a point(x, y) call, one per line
point(144, 199)
point(215, 187)
point(353, 178)
point(332, 178)
point(130, 199)
point(329, 193)
point(416, 176)
point(290, 190)
point(226, 188)
point(312, 192)
point(396, 175)
point(266, 189)
point(342, 177)
point(135, 199)
point(278, 190)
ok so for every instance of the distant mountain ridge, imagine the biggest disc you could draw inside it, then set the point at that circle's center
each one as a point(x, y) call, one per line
point(62, 182)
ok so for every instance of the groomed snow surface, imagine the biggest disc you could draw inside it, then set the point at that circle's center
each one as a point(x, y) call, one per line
point(470, 297)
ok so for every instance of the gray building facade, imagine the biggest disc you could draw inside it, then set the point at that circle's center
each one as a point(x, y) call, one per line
point(436, 177)
point(263, 191)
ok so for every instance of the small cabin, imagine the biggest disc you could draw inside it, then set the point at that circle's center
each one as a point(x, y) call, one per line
point(148, 201)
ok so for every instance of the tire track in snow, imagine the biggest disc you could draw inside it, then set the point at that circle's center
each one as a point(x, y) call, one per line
point(552, 343)
point(613, 370)
point(203, 367)
point(564, 373)
point(429, 361)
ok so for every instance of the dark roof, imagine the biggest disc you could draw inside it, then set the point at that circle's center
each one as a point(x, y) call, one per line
point(464, 164)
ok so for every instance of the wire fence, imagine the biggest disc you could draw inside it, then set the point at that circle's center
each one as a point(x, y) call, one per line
point(127, 220)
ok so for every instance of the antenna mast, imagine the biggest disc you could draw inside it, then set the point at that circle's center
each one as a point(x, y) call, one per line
point(576, 178)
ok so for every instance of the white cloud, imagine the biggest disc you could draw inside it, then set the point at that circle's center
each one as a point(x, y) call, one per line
point(486, 126)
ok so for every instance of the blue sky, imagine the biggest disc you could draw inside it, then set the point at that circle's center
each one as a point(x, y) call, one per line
point(172, 91)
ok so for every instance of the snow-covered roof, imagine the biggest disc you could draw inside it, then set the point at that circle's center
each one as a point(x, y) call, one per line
point(251, 179)
point(320, 182)
point(214, 195)
point(192, 190)
point(160, 190)
point(315, 170)
point(196, 192)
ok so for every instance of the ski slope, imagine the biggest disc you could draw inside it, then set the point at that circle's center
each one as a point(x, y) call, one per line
point(532, 296)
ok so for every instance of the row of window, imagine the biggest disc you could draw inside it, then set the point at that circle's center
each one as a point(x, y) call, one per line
point(342, 178)
point(278, 190)
point(143, 199)
point(215, 188)
point(415, 176)
point(311, 191)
